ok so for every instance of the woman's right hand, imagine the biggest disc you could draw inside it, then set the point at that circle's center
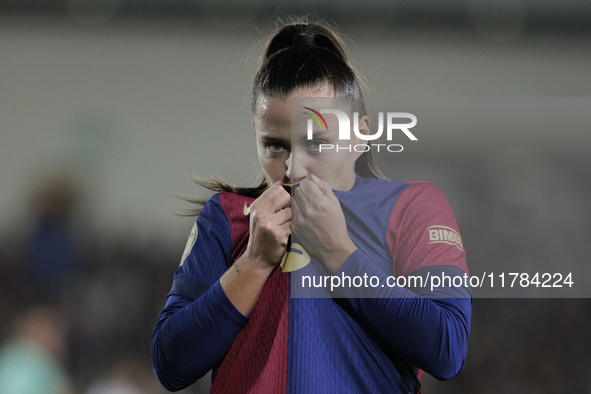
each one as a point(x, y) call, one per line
point(270, 226)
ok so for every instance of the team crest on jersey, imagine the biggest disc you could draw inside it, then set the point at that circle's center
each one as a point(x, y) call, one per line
point(190, 243)
point(295, 259)
point(445, 235)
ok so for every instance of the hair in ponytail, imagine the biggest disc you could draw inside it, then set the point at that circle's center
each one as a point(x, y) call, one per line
point(299, 55)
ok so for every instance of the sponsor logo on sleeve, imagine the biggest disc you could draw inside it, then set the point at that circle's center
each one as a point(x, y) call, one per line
point(445, 235)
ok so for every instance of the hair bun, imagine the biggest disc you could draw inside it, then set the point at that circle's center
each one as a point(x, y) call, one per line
point(303, 40)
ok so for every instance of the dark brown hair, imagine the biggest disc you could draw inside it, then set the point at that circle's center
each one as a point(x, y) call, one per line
point(299, 55)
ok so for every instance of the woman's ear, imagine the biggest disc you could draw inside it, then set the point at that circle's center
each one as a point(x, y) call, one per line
point(364, 127)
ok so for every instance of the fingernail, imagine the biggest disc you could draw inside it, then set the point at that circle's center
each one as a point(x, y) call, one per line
point(313, 177)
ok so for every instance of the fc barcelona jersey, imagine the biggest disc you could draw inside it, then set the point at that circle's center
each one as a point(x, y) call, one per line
point(296, 341)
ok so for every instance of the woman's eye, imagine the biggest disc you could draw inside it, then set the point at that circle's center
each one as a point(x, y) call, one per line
point(275, 148)
point(315, 145)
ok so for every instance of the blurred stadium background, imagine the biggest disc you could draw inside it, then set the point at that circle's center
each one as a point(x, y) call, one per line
point(107, 107)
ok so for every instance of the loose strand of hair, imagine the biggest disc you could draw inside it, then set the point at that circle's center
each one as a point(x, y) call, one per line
point(216, 184)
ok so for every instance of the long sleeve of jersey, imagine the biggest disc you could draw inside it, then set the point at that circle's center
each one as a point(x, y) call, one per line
point(198, 324)
point(429, 326)
point(430, 333)
point(192, 336)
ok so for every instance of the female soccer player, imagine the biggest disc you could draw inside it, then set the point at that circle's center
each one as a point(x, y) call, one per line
point(230, 307)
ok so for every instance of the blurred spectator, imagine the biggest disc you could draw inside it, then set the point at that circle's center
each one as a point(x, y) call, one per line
point(126, 377)
point(53, 248)
point(30, 361)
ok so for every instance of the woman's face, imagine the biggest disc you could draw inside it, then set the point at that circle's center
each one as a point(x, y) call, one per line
point(287, 155)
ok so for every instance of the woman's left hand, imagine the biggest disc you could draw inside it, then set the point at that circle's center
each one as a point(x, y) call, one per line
point(319, 223)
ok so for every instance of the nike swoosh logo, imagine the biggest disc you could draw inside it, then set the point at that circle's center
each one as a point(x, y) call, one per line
point(245, 210)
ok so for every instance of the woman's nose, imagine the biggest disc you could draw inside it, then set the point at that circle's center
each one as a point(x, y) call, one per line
point(296, 169)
